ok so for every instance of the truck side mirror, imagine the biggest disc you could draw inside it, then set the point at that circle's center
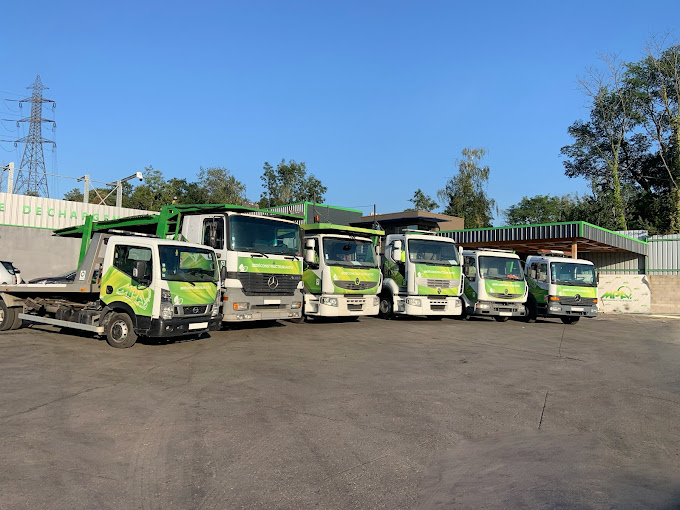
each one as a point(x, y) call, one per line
point(310, 244)
point(139, 271)
point(223, 273)
point(309, 256)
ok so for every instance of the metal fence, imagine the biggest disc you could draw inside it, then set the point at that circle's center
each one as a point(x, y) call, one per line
point(664, 255)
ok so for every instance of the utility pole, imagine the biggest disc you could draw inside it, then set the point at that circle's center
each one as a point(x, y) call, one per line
point(31, 177)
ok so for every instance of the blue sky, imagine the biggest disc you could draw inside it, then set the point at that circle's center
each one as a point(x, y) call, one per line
point(378, 98)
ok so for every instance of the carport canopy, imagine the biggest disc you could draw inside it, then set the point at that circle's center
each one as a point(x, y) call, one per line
point(570, 237)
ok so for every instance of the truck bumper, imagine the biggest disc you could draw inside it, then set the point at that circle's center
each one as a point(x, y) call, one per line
point(429, 306)
point(259, 308)
point(341, 305)
point(558, 310)
point(180, 326)
point(499, 308)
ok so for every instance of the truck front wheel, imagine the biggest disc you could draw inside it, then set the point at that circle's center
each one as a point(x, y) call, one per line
point(385, 310)
point(119, 331)
point(570, 320)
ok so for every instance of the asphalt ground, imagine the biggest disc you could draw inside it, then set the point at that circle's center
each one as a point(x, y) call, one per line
point(408, 413)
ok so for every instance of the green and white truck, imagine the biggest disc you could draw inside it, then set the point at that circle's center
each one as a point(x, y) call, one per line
point(126, 286)
point(258, 252)
point(341, 276)
point(494, 284)
point(560, 287)
point(421, 275)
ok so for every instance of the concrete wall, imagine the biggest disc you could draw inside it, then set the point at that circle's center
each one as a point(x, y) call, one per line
point(665, 293)
point(36, 252)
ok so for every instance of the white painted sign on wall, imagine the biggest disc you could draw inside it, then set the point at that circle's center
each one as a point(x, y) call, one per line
point(37, 212)
point(624, 294)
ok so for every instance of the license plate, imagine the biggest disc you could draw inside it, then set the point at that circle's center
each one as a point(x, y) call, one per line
point(505, 313)
point(271, 301)
point(576, 308)
point(199, 325)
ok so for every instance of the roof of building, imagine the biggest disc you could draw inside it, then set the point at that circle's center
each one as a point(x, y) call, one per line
point(406, 215)
point(556, 236)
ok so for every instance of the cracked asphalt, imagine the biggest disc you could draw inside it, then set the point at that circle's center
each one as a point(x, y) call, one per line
point(408, 413)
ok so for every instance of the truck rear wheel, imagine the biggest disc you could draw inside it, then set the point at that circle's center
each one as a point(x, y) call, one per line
point(570, 320)
point(120, 332)
point(7, 316)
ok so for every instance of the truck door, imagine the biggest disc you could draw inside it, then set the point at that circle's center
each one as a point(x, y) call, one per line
point(470, 272)
point(122, 283)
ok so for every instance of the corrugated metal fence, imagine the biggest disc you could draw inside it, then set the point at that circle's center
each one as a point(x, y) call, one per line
point(664, 255)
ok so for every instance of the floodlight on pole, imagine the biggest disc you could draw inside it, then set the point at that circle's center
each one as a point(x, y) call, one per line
point(119, 186)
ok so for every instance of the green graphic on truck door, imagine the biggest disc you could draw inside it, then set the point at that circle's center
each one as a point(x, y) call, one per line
point(312, 281)
point(505, 290)
point(271, 266)
point(437, 280)
point(540, 294)
point(126, 290)
point(347, 280)
point(200, 293)
point(391, 270)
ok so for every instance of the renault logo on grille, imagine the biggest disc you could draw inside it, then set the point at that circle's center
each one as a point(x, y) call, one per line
point(577, 298)
point(356, 281)
point(273, 282)
point(506, 292)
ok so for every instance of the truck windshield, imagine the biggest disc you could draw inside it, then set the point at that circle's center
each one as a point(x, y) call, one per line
point(436, 253)
point(187, 264)
point(572, 273)
point(500, 268)
point(348, 252)
point(263, 235)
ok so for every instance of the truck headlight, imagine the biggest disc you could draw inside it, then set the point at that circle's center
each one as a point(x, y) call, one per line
point(482, 305)
point(296, 304)
point(241, 306)
point(330, 301)
point(376, 300)
point(216, 305)
point(167, 310)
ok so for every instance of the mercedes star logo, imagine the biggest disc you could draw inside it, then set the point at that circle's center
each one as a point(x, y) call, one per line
point(273, 282)
point(577, 298)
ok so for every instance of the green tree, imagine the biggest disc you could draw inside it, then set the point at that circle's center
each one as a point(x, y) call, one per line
point(540, 209)
point(289, 183)
point(422, 202)
point(599, 144)
point(220, 187)
point(656, 83)
point(464, 194)
point(153, 194)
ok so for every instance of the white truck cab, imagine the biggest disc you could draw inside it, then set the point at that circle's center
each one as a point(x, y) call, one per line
point(560, 286)
point(494, 284)
point(421, 275)
point(341, 276)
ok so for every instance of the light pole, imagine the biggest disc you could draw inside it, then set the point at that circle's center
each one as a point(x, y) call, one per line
point(119, 186)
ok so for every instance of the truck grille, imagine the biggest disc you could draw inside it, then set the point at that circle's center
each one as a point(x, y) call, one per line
point(353, 285)
point(501, 295)
point(191, 310)
point(441, 284)
point(571, 300)
point(258, 284)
